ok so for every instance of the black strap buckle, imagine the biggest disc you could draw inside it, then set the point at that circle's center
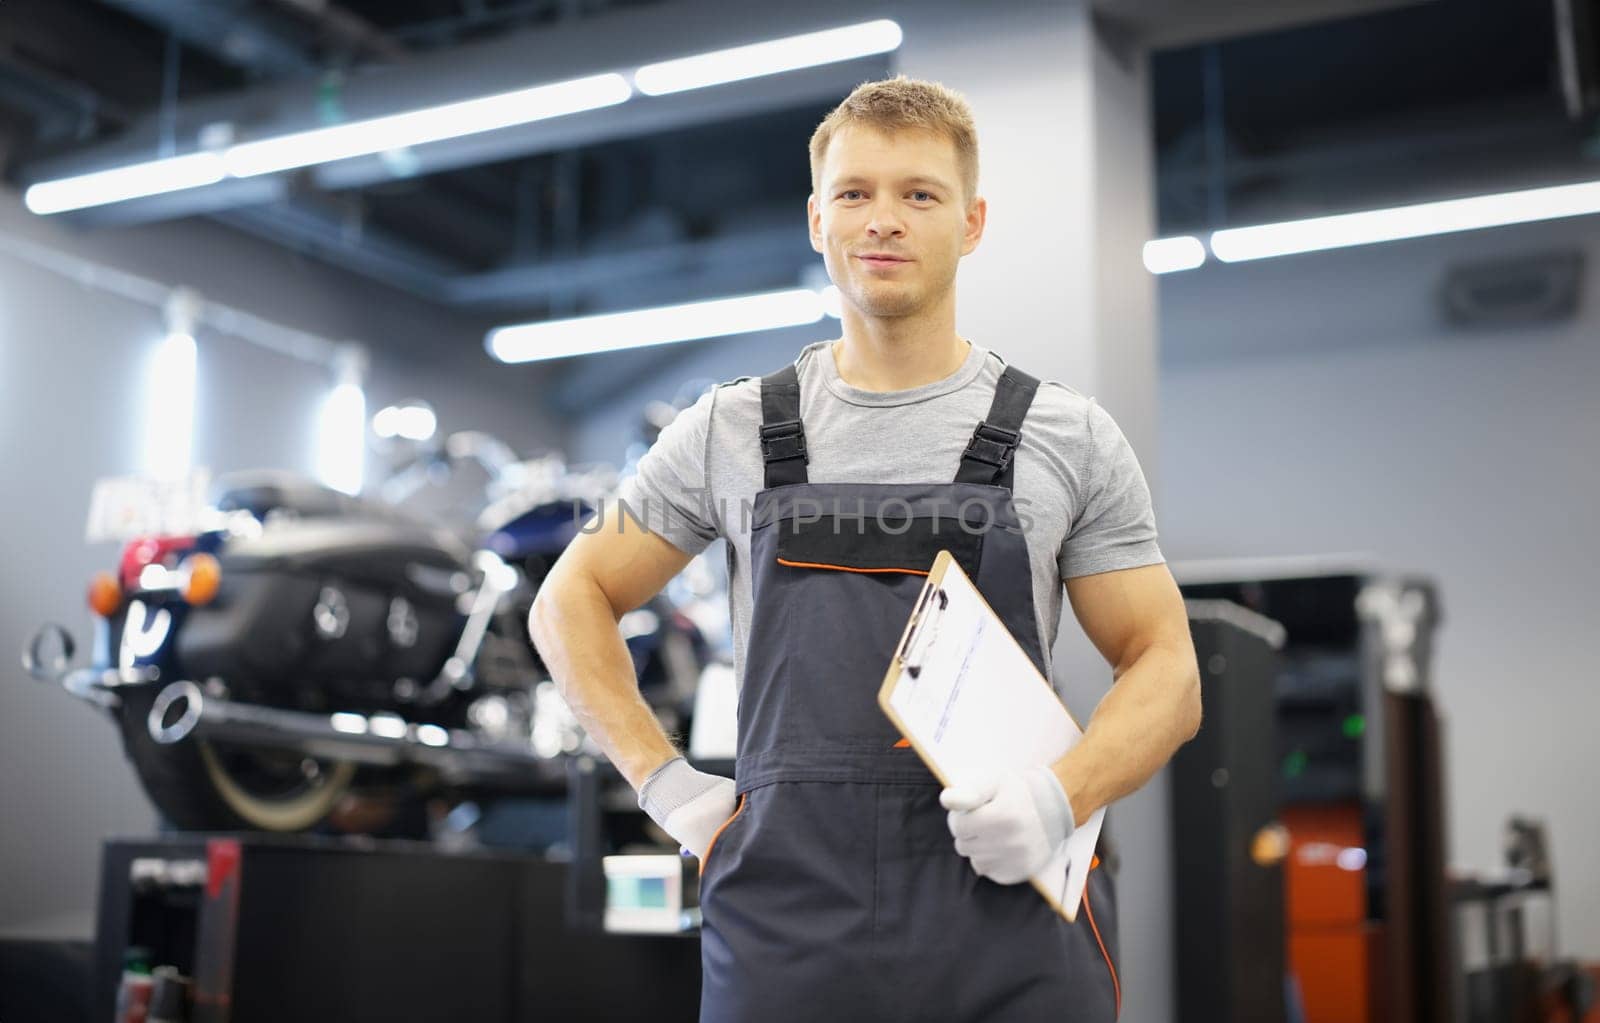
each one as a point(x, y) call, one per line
point(784, 440)
point(993, 445)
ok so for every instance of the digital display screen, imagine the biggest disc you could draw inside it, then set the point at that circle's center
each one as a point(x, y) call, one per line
point(636, 892)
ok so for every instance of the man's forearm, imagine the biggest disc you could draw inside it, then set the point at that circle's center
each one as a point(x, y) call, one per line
point(1151, 710)
point(576, 633)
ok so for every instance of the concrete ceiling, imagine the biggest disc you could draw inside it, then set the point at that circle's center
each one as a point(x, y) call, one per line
point(1259, 106)
point(1164, 23)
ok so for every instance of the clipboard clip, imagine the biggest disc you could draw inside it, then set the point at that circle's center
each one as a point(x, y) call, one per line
point(921, 617)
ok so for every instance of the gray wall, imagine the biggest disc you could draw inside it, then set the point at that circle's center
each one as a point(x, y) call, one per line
point(605, 432)
point(71, 360)
point(1318, 404)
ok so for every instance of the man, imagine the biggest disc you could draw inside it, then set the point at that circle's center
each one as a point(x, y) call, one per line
point(838, 882)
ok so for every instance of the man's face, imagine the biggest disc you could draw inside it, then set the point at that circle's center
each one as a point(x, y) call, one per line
point(899, 196)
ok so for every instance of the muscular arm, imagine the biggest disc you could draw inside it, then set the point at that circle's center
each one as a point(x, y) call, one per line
point(602, 575)
point(1136, 619)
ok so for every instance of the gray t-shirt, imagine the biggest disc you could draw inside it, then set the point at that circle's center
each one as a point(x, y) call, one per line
point(1080, 495)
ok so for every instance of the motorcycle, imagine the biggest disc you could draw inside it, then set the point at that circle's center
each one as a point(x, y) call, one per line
point(305, 649)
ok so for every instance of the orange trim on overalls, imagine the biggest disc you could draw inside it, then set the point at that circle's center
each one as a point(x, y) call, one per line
point(718, 833)
point(1115, 984)
point(847, 568)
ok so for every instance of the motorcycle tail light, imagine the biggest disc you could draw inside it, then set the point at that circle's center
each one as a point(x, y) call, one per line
point(205, 575)
point(146, 551)
point(105, 596)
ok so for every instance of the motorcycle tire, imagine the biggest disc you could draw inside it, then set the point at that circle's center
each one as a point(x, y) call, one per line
point(198, 786)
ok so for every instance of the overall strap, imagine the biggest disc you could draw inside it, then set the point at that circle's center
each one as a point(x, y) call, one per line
point(994, 442)
point(783, 439)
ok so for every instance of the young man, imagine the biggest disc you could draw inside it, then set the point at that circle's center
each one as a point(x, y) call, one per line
point(844, 884)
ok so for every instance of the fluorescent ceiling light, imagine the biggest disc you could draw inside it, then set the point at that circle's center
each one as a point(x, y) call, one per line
point(637, 328)
point(413, 421)
point(335, 142)
point(432, 735)
point(1244, 243)
point(832, 301)
point(341, 438)
point(1167, 255)
point(453, 120)
point(119, 183)
point(169, 389)
point(388, 726)
point(348, 723)
point(768, 58)
point(430, 124)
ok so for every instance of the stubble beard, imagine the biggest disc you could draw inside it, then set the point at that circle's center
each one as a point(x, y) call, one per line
point(891, 305)
point(898, 302)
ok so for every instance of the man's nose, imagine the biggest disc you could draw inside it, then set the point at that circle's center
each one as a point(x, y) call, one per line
point(885, 222)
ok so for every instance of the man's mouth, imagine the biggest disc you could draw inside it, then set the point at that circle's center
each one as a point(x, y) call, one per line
point(882, 262)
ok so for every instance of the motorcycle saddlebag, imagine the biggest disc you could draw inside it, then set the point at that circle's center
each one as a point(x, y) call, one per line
point(329, 600)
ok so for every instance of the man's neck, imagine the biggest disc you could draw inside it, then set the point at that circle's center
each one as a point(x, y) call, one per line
point(897, 354)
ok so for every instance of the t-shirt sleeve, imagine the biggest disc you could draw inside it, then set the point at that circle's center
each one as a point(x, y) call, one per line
point(668, 494)
point(1115, 527)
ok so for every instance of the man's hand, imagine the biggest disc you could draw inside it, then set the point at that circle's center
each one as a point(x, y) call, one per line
point(689, 805)
point(1011, 827)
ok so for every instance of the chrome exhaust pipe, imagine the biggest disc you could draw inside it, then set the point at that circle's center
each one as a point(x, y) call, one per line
point(183, 711)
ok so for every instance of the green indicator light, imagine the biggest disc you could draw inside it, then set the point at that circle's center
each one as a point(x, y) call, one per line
point(1355, 726)
point(1294, 765)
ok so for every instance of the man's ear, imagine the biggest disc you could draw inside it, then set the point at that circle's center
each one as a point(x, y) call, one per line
point(814, 222)
point(977, 217)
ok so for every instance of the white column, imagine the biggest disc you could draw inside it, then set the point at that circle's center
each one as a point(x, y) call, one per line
point(1058, 287)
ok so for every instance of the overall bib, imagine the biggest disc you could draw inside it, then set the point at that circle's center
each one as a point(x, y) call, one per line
point(834, 891)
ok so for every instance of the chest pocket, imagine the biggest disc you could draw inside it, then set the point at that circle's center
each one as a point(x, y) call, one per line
point(880, 541)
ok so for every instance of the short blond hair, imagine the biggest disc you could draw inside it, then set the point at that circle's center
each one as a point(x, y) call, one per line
point(893, 104)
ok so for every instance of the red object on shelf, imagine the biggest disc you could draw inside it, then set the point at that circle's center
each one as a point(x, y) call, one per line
point(1552, 1007)
point(1333, 951)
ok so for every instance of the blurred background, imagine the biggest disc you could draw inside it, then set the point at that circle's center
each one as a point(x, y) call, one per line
point(302, 371)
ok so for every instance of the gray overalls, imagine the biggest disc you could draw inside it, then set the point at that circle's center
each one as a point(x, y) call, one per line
point(834, 891)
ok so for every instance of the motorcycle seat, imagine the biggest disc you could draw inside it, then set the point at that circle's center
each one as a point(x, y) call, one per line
point(260, 491)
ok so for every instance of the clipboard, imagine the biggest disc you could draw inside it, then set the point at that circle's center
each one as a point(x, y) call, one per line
point(973, 705)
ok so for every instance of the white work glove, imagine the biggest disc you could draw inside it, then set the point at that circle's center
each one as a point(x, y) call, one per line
point(1010, 827)
point(689, 805)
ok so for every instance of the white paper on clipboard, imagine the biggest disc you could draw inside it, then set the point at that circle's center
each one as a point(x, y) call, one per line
point(967, 697)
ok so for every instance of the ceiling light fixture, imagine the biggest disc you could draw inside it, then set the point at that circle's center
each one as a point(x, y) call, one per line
point(607, 332)
point(324, 145)
point(134, 181)
point(1239, 244)
point(1169, 255)
point(430, 124)
point(769, 58)
point(395, 132)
